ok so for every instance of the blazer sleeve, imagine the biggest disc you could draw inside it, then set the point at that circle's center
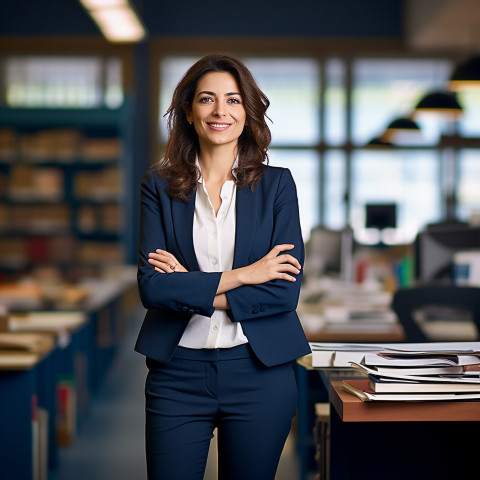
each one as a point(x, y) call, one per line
point(277, 296)
point(188, 292)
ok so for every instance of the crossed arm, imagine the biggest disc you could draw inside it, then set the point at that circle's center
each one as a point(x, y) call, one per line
point(273, 266)
point(266, 287)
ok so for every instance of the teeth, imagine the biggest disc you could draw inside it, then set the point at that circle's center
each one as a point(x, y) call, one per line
point(219, 125)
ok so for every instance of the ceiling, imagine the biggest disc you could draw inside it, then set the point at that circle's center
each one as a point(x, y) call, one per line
point(443, 24)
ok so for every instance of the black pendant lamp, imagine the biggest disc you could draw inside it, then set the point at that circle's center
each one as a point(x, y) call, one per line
point(403, 130)
point(403, 123)
point(466, 76)
point(443, 104)
point(379, 142)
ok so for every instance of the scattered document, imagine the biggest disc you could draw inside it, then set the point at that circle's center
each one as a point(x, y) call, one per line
point(326, 355)
point(360, 389)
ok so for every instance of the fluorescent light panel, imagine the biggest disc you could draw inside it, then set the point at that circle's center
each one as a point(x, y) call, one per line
point(95, 4)
point(116, 19)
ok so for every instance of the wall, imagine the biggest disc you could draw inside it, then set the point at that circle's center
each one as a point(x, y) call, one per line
point(366, 18)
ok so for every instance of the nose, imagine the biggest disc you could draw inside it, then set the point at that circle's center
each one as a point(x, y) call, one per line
point(219, 110)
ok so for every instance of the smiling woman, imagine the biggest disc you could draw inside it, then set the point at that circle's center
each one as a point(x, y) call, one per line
point(220, 268)
point(178, 164)
point(217, 111)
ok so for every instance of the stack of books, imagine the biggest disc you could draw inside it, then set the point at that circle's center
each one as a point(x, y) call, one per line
point(401, 375)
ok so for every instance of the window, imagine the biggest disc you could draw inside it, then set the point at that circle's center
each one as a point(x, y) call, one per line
point(293, 88)
point(304, 166)
point(335, 190)
point(63, 82)
point(386, 89)
point(468, 188)
point(335, 103)
point(407, 178)
point(320, 128)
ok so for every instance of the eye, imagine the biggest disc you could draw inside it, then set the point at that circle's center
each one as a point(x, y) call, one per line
point(206, 100)
point(234, 100)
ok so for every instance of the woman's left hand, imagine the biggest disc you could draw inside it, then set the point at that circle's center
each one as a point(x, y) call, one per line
point(165, 262)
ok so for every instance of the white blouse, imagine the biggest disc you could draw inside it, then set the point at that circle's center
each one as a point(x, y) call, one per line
point(214, 243)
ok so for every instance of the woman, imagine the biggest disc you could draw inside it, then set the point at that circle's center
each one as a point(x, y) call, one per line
point(220, 268)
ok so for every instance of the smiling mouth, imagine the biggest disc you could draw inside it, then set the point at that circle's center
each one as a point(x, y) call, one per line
point(219, 126)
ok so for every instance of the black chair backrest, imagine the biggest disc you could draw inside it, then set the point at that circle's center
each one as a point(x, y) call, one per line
point(406, 301)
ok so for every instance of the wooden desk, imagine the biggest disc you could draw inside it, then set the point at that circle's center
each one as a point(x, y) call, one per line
point(401, 440)
point(352, 409)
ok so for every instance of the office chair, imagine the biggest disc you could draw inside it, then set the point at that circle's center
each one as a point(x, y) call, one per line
point(406, 301)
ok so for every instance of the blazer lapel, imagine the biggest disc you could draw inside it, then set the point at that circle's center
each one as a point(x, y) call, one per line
point(245, 218)
point(182, 214)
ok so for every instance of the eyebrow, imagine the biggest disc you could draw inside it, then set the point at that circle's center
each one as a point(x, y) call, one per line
point(206, 92)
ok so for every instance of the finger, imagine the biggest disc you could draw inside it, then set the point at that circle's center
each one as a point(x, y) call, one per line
point(289, 278)
point(166, 267)
point(285, 267)
point(167, 254)
point(286, 258)
point(293, 261)
point(164, 259)
point(277, 249)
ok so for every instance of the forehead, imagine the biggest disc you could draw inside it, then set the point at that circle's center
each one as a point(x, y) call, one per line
point(218, 82)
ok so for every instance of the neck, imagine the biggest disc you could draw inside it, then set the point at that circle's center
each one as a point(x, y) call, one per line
point(216, 164)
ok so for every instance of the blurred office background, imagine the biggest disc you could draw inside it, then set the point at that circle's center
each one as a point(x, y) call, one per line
point(384, 148)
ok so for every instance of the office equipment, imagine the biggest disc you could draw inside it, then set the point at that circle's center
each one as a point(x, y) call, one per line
point(329, 252)
point(380, 215)
point(436, 246)
point(466, 268)
point(408, 302)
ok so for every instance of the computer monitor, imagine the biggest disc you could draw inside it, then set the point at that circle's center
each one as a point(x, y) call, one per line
point(380, 215)
point(435, 248)
point(329, 252)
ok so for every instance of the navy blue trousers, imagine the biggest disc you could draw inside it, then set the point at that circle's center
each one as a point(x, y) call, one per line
point(251, 406)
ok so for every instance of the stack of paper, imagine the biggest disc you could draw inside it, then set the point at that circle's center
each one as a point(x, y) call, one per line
point(433, 374)
point(342, 354)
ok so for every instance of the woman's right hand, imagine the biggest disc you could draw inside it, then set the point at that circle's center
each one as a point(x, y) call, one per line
point(274, 265)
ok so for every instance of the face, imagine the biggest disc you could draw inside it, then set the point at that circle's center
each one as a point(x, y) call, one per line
point(217, 110)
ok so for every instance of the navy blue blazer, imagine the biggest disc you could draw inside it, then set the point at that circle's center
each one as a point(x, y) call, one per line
point(264, 218)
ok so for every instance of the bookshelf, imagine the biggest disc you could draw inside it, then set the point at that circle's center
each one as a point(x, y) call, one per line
point(62, 190)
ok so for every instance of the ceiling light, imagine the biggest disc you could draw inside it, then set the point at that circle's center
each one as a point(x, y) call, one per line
point(466, 76)
point(94, 4)
point(403, 123)
point(116, 19)
point(403, 131)
point(379, 142)
point(443, 104)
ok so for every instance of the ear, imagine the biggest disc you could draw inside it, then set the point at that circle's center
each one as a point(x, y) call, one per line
point(188, 112)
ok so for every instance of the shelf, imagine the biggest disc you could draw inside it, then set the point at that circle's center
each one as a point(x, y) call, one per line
point(62, 202)
point(50, 118)
point(75, 163)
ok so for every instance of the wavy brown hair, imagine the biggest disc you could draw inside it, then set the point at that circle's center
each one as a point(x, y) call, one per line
point(178, 163)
